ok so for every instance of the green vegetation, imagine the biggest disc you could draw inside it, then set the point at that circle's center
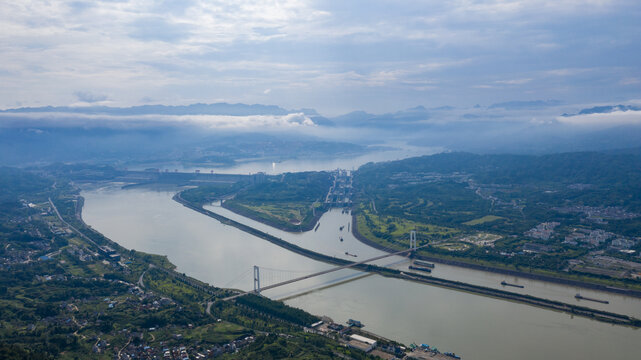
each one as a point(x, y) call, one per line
point(482, 208)
point(306, 346)
point(16, 183)
point(77, 302)
point(206, 194)
point(393, 231)
point(290, 202)
point(277, 309)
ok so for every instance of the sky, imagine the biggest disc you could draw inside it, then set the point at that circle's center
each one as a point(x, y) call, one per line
point(333, 56)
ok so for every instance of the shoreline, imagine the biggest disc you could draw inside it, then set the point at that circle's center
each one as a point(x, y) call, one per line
point(595, 314)
point(547, 278)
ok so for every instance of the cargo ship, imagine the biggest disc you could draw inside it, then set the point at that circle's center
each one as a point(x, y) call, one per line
point(424, 263)
point(504, 283)
point(420, 268)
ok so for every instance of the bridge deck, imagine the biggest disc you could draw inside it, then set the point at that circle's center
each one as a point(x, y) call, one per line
point(321, 273)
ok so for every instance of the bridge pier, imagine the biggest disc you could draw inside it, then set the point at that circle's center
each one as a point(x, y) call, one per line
point(256, 280)
point(413, 244)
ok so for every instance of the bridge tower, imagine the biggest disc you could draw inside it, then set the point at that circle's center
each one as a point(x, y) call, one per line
point(413, 245)
point(256, 280)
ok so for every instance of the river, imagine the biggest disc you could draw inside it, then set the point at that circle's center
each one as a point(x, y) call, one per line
point(473, 326)
point(393, 151)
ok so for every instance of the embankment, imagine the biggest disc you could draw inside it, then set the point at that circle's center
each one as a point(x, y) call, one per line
point(527, 299)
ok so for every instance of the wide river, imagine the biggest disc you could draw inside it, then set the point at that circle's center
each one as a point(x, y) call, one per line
point(476, 327)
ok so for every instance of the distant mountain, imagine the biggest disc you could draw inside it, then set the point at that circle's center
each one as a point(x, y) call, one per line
point(443, 108)
point(605, 109)
point(354, 116)
point(193, 109)
point(522, 105)
point(395, 120)
point(633, 151)
point(160, 144)
point(599, 168)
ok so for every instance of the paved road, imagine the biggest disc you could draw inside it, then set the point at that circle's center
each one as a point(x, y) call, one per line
point(69, 225)
point(141, 283)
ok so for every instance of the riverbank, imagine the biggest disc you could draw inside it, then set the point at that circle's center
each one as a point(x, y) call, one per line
point(528, 275)
point(497, 293)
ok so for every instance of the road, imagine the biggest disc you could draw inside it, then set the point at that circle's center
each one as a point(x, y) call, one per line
point(140, 279)
point(122, 348)
point(55, 209)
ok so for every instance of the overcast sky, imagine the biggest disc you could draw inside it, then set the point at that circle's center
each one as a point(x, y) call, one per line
point(334, 56)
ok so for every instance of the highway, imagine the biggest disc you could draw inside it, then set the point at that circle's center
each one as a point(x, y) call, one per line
point(55, 209)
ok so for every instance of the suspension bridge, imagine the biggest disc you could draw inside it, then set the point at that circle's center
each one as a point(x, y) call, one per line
point(258, 289)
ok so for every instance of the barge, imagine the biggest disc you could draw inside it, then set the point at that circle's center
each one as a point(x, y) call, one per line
point(424, 264)
point(420, 268)
point(579, 297)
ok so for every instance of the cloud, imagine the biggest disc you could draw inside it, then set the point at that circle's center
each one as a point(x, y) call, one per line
point(157, 28)
point(252, 122)
point(483, 86)
point(355, 54)
point(630, 81)
point(513, 81)
point(88, 97)
point(603, 120)
point(567, 71)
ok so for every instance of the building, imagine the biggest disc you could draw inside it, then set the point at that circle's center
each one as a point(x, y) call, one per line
point(361, 343)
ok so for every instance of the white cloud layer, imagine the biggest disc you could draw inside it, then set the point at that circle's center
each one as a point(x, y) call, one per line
point(614, 118)
point(332, 55)
point(252, 122)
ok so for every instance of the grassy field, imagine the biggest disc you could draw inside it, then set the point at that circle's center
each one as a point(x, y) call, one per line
point(453, 246)
point(217, 333)
point(291, 212)
point(483, 220)
point(395, 229)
